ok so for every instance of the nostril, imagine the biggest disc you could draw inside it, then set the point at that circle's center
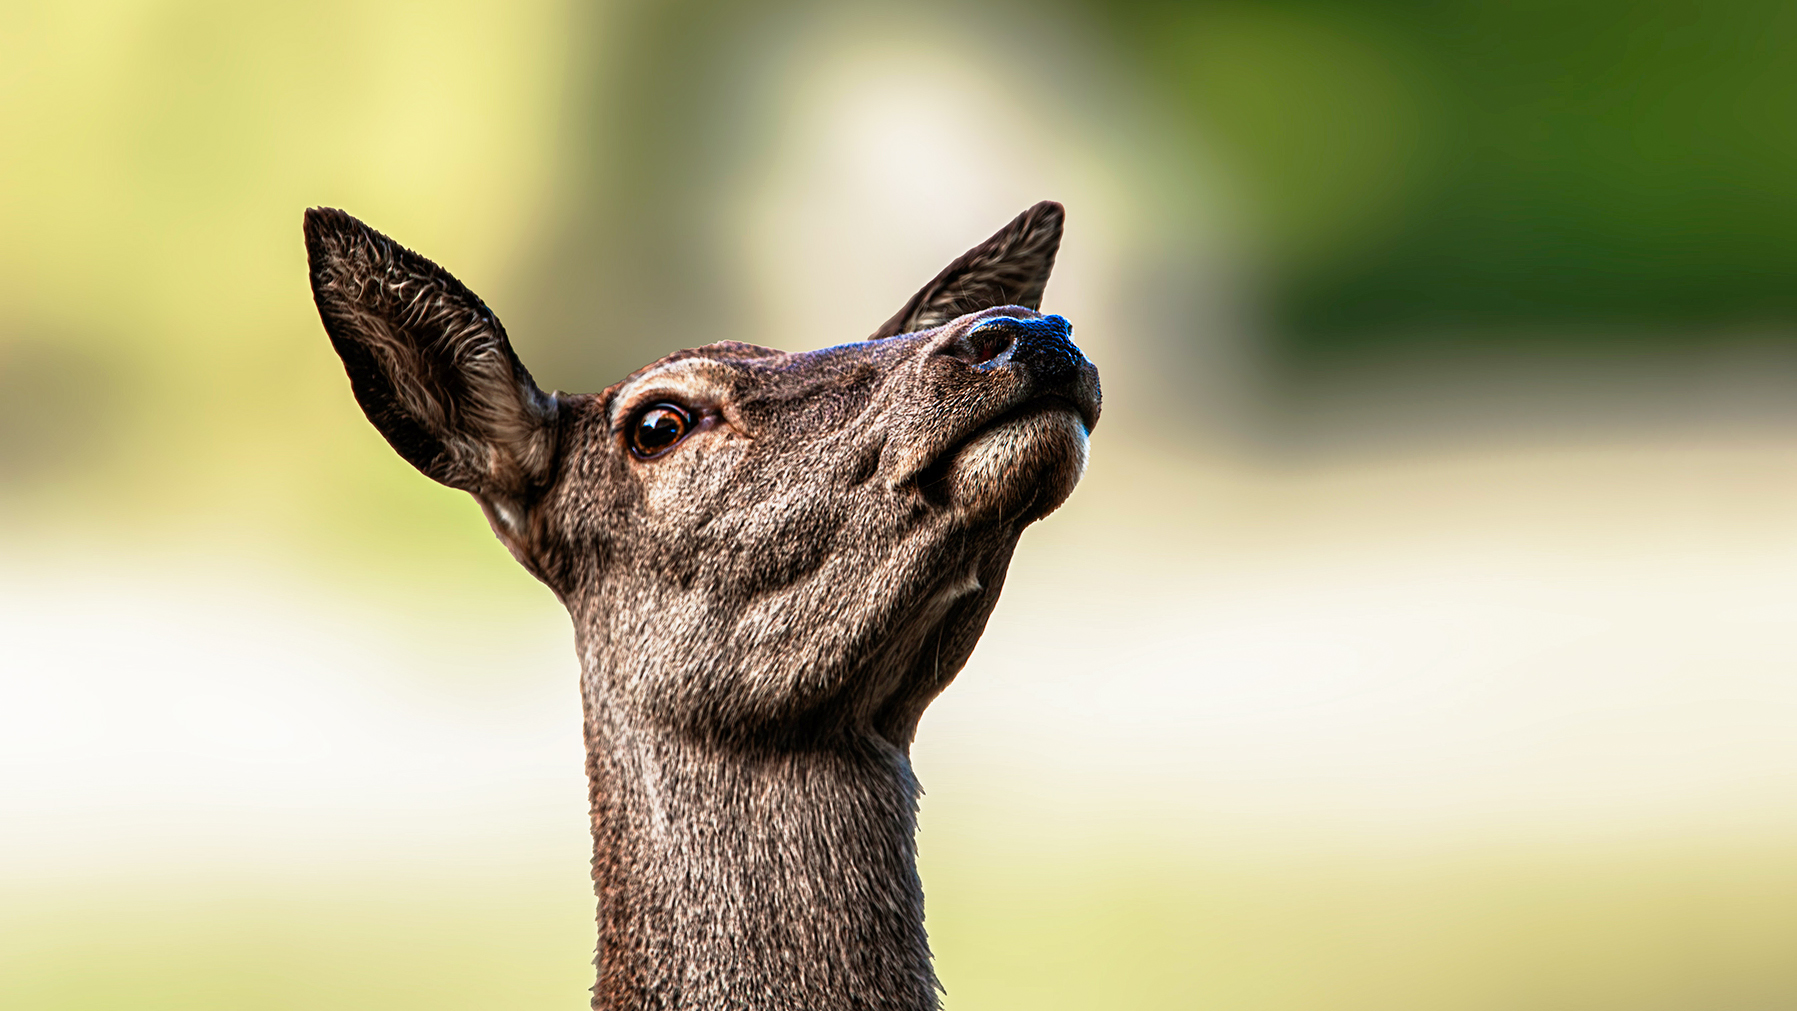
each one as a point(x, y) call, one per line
point(1043, 337)
point(1043, 345)
point(990, 341)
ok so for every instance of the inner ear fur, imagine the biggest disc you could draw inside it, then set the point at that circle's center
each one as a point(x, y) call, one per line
point(1010, 268)
point(430, 364)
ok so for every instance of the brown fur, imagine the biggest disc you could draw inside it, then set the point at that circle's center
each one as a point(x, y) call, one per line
point(762, 611)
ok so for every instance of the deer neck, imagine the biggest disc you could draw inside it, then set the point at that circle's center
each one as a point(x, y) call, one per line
point(766, 876)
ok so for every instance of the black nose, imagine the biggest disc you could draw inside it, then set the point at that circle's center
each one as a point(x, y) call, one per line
point(1044, 345)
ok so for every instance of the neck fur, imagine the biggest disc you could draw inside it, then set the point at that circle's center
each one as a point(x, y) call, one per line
point(765, 876)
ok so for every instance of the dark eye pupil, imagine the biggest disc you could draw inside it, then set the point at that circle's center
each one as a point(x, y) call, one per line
point(658, 428)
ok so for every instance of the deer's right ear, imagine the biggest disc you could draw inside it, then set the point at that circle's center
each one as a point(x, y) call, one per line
point(431, 366)
point(1010, 268)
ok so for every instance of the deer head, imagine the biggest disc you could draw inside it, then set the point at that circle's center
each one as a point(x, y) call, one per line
point(773, 561)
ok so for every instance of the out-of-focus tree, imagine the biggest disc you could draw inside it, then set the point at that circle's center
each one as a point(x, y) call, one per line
point(1407, 173)
point(1433, 172)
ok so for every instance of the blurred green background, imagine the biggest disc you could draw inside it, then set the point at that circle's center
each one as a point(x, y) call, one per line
point(1422, 636)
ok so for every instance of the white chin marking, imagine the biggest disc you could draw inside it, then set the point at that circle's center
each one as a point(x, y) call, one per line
point(1031, 462)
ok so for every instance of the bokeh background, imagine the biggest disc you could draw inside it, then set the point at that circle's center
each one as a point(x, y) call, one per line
point(1424, 634)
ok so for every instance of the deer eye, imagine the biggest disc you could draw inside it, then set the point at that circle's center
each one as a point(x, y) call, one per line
point(656, 428)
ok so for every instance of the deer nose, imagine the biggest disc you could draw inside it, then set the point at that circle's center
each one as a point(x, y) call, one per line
point(1044, 345)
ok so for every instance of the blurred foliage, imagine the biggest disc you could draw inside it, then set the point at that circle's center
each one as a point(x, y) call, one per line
point(662, 113)
point(161, 365)
point(1426, 171)
point(496, 942)
point(1645, 931)
point(1405, 172)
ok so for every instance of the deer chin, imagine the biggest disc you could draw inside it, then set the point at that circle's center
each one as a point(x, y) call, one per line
point(1021, 466)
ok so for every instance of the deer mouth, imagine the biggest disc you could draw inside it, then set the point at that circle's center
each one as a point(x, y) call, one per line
point(1021, 464)
point(1047, 403)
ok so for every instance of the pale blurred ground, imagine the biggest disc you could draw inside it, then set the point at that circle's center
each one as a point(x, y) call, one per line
point(1437, 679)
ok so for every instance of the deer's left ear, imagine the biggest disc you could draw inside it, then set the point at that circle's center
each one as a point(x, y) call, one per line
point(1011, 268)
point(431, 366)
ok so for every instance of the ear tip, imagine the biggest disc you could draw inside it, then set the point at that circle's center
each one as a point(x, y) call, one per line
point(322, 219)
point(1041, 223)
point(1045, 213)
point(330, 231)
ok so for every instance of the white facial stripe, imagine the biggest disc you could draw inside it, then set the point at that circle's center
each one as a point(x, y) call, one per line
point(688, 381)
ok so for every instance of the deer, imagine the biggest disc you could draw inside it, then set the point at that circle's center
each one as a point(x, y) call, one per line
point(773, 563)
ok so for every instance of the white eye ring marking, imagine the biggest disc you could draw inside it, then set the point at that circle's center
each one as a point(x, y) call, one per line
point(687, 381)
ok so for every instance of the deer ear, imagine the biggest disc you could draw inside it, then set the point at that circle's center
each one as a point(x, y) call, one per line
point(1011, 268)
point(430, 365)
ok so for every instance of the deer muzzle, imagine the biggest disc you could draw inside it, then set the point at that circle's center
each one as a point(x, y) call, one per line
point(1021, 450)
